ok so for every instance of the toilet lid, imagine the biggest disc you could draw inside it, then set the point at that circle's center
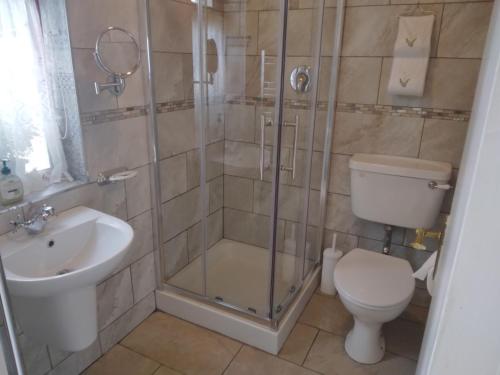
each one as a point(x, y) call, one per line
point(374, 279)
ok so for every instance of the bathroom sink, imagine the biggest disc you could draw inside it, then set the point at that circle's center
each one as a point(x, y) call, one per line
point(52, 276)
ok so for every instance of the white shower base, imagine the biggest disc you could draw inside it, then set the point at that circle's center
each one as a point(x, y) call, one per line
point(238, 273)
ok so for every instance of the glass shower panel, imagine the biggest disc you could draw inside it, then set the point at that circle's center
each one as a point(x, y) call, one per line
point(178, 142)
point(238, 167)
point(302, 57)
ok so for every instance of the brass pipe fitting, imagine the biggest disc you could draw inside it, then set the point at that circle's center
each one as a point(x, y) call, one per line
point(421, 235)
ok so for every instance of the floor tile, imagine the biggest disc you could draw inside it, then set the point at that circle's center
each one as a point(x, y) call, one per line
point(123, 361)
point(328, 357)
point(250, 361)
point(166, 371)
point(182, 346)
point(298, 343)
point(328, 314)
point(404, 338)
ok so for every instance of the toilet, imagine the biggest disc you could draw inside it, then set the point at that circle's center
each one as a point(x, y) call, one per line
point(376, 288)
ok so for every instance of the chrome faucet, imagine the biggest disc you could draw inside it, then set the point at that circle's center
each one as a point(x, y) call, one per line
point(37, 223)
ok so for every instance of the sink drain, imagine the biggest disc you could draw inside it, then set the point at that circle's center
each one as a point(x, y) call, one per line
point(63, 271)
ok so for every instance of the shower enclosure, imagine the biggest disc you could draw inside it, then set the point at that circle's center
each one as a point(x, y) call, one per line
point(239, 125)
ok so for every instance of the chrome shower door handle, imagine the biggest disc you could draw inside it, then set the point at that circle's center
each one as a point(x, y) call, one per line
point(262, 143)
point(264, 121)
point(294, 125)
point(295, 141)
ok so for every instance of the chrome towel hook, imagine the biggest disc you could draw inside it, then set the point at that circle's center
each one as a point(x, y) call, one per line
point(114, 36)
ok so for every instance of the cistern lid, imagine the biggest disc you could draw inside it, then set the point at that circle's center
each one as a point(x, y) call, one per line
point(401, 166)
point(373, 279)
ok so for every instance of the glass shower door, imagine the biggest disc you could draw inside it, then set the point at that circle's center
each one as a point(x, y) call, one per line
point(238, 167)
point(292, 258)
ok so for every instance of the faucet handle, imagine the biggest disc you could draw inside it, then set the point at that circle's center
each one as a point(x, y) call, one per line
point(47, 210)
point(17, 223)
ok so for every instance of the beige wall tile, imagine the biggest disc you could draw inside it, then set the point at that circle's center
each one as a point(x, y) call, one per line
point(242, 75)
point(171, 26)
point(268, 32)
point(239, 122)
point(173, 176)
point(117, 136)
point(290, 200)
point(138, 190)
point(324, 78)
point(175, 254)
point(214, 231)
point(86, 73)
point(88, 18)
point(169, 76)
point(177, 132)
point(35, 356)
point(142, 243)
point(340, 178)
point(359, 79)
point(143, 277)
point(181, 212)
point(380, 26)
point(241, 24)
point(241, 159)
point(339, 217)
point(246, 227)
point(215, 194)
point(380, 134)
point(238, 193)
point(450, 84)
point(328, 32)
point(114, 297)
point(215, 163)
point(443, 140)
point(464, 29)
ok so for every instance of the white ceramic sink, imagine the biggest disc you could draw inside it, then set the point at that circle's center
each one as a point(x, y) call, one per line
point(52, 276)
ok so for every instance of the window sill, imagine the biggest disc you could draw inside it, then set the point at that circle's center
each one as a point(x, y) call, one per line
point(39, 196)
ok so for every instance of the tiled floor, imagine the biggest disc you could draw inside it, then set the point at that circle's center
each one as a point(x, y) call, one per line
point(165, 345)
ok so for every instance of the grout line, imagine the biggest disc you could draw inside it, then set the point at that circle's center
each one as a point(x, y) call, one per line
point(232, 359)
point(310, 347)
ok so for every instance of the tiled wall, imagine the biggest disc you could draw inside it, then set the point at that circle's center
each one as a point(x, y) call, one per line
point(114, 135)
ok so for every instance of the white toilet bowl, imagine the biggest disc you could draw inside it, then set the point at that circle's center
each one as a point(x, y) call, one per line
point(375, 289)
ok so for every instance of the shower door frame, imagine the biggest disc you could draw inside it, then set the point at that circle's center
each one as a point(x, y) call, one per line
point(273, 319)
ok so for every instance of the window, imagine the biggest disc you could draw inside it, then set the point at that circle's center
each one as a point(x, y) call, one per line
point(32, 123)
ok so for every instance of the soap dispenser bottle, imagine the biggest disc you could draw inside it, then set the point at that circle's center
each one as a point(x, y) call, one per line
point(11, 186)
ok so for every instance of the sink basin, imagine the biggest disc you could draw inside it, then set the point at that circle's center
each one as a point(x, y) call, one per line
point(52, 276)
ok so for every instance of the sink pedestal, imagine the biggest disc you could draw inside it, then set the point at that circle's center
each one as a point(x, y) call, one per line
point(66, 321)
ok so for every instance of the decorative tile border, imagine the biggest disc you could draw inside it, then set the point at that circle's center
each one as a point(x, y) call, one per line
point(426, 113)
point(110, 115)
point(181, 105)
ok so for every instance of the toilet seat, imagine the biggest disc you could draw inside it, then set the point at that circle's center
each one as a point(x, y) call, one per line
point(373, 280)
